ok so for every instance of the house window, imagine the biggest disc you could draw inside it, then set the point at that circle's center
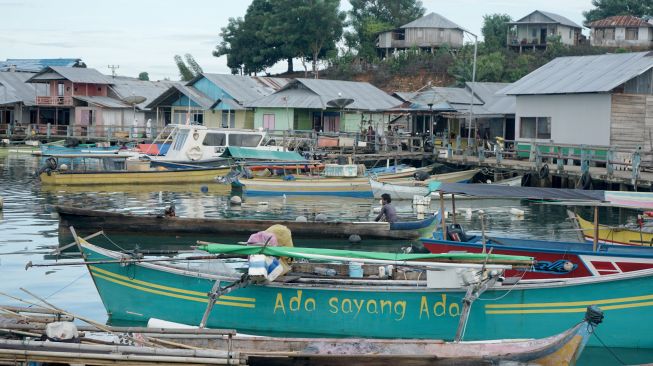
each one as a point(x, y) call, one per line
point(632, 34)
point(570, 34)
point(268, 121)
point(535, 127)
point(534, 33)
point(60, 89)
point(184, 116)
point(228, 119)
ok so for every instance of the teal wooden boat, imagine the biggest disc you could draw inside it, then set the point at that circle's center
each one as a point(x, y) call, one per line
point(368, 307)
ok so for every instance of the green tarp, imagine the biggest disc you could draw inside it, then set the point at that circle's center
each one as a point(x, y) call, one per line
point(307, 253)
point(259, 154)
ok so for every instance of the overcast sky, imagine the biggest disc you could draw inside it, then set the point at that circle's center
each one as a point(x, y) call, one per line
point(144, 35)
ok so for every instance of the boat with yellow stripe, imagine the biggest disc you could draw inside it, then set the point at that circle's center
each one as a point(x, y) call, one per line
point(102, 170)
point(614, 234)
point(425, 306)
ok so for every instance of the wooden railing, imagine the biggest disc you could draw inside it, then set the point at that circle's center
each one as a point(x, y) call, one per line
point(559, 155)
point(55, 101)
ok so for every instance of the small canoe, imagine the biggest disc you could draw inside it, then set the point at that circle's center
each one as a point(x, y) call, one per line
point(87, 221)
point(332, 186)
point(406, 190)
point(343, 187)
point(224, 346)
point(614, 235)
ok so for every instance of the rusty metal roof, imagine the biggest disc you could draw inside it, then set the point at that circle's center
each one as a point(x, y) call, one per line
point(620, 21)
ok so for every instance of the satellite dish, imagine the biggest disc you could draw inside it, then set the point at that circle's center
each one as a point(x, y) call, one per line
point(134, 99)
point(340, 102)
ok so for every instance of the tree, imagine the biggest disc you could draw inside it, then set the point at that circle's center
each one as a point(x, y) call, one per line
point(187, 72)
point(193, 65)
point(274, 30)
point(311, 28)
point(608, 8)
point(144, 76)
point(248, 42)
point(370, 17)
point(495, 30)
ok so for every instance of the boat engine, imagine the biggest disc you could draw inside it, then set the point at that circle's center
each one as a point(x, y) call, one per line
point(50, 165)
point(455, 232)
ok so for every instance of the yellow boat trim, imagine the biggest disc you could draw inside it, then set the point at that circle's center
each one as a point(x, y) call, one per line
point(173, 289)
point(191, 298)
point(570, 310)
point(575, 303)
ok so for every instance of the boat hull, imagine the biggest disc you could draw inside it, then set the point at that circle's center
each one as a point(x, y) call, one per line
point(555, 259)
point(611, 235)
point(304, 187)
point(90, 221)
point(184, 176)
point(406, 189)
point(137, 292)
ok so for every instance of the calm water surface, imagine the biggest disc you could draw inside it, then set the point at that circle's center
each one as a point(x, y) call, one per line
point(28, 231)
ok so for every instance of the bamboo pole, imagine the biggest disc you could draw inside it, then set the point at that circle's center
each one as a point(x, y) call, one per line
point(595, 243)
point(453, 207)
point(444, 223)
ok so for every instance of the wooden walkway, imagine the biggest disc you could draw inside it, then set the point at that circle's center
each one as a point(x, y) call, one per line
point(567, 178)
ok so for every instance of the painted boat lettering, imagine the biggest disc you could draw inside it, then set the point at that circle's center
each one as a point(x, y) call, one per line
point(375, 307)
point(561, 266)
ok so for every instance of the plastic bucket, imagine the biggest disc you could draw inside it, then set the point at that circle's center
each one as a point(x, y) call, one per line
point(355, 270)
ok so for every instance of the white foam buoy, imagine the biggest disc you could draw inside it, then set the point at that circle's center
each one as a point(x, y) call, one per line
point(235, 200)
point(516, 212)
point(468, 213)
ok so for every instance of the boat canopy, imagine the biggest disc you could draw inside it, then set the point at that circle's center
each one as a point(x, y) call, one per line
point(237, 152)
point(317, 253)
point(642, 200)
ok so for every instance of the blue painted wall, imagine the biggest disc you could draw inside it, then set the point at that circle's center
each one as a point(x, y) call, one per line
point(183, 102)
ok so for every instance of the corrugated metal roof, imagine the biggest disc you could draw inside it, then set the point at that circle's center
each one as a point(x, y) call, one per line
point(230, 104)
point(172, 94)
point(291, 98)
point(494, 101)
point(316, 93)
point(106, 102)
point(14, 89)
point(582, 74)
point(457, 96)
point(432, 20)
point(620, 21)
point(37, 65)
point(245, 88)
point(555, 18)
point(74, 74)
point(126, 87)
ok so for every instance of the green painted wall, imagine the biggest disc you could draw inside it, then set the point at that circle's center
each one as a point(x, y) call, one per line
point(283, 118)
point(303, 119)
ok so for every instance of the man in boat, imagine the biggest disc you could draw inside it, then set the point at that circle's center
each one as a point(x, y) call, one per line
point(388, 212)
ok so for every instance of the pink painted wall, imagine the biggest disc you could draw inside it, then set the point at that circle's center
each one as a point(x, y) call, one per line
point(79, 89)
